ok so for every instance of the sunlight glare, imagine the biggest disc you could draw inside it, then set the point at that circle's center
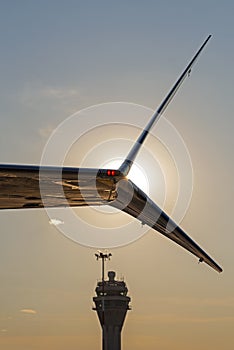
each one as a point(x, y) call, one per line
point(137, 174)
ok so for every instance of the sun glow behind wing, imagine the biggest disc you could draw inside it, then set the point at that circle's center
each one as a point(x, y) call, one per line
point(137, 174)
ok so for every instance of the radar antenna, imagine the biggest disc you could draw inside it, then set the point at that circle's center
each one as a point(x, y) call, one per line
point(104, 257)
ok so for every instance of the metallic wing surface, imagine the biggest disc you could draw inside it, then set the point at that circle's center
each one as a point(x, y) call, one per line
point(29, 186)
point(133, 201)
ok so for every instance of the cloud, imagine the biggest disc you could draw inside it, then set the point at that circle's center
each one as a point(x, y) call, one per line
point(46, 131)
point(3, 331)
point(56, 222)
point(59, 93)
point(196, 301)
point(28, 311)
point(35, 94)
point(45, 102)
point(174, 318)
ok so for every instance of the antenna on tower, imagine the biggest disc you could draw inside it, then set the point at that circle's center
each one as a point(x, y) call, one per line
point(104, 257)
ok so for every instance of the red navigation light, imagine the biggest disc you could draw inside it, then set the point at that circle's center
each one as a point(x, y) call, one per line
point(111, 172)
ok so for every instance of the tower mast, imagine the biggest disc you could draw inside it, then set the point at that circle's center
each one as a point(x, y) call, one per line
point(104, 257)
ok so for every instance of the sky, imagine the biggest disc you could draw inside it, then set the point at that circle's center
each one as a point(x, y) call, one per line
point(60, 57)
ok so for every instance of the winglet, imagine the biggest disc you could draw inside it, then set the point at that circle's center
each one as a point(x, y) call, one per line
point(126, 165)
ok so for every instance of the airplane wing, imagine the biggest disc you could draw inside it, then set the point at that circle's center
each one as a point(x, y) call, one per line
point(29, 186)
point(126, 165)
point(133, 201)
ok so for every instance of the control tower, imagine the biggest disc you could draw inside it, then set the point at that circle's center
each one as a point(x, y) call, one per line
point(111, 305)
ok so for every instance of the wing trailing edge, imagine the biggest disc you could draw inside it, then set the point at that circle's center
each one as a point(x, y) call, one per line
point(133, 201)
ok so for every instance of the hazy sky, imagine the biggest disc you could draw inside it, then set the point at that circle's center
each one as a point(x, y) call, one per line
point(58, 57)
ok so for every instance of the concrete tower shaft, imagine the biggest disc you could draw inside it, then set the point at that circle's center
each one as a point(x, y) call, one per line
point(111, 305)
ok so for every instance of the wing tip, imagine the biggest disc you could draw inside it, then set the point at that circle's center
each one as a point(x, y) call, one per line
point(213, 265)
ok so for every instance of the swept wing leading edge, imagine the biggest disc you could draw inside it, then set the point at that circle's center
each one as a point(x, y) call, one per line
point(126, 166)
point(29, 186)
